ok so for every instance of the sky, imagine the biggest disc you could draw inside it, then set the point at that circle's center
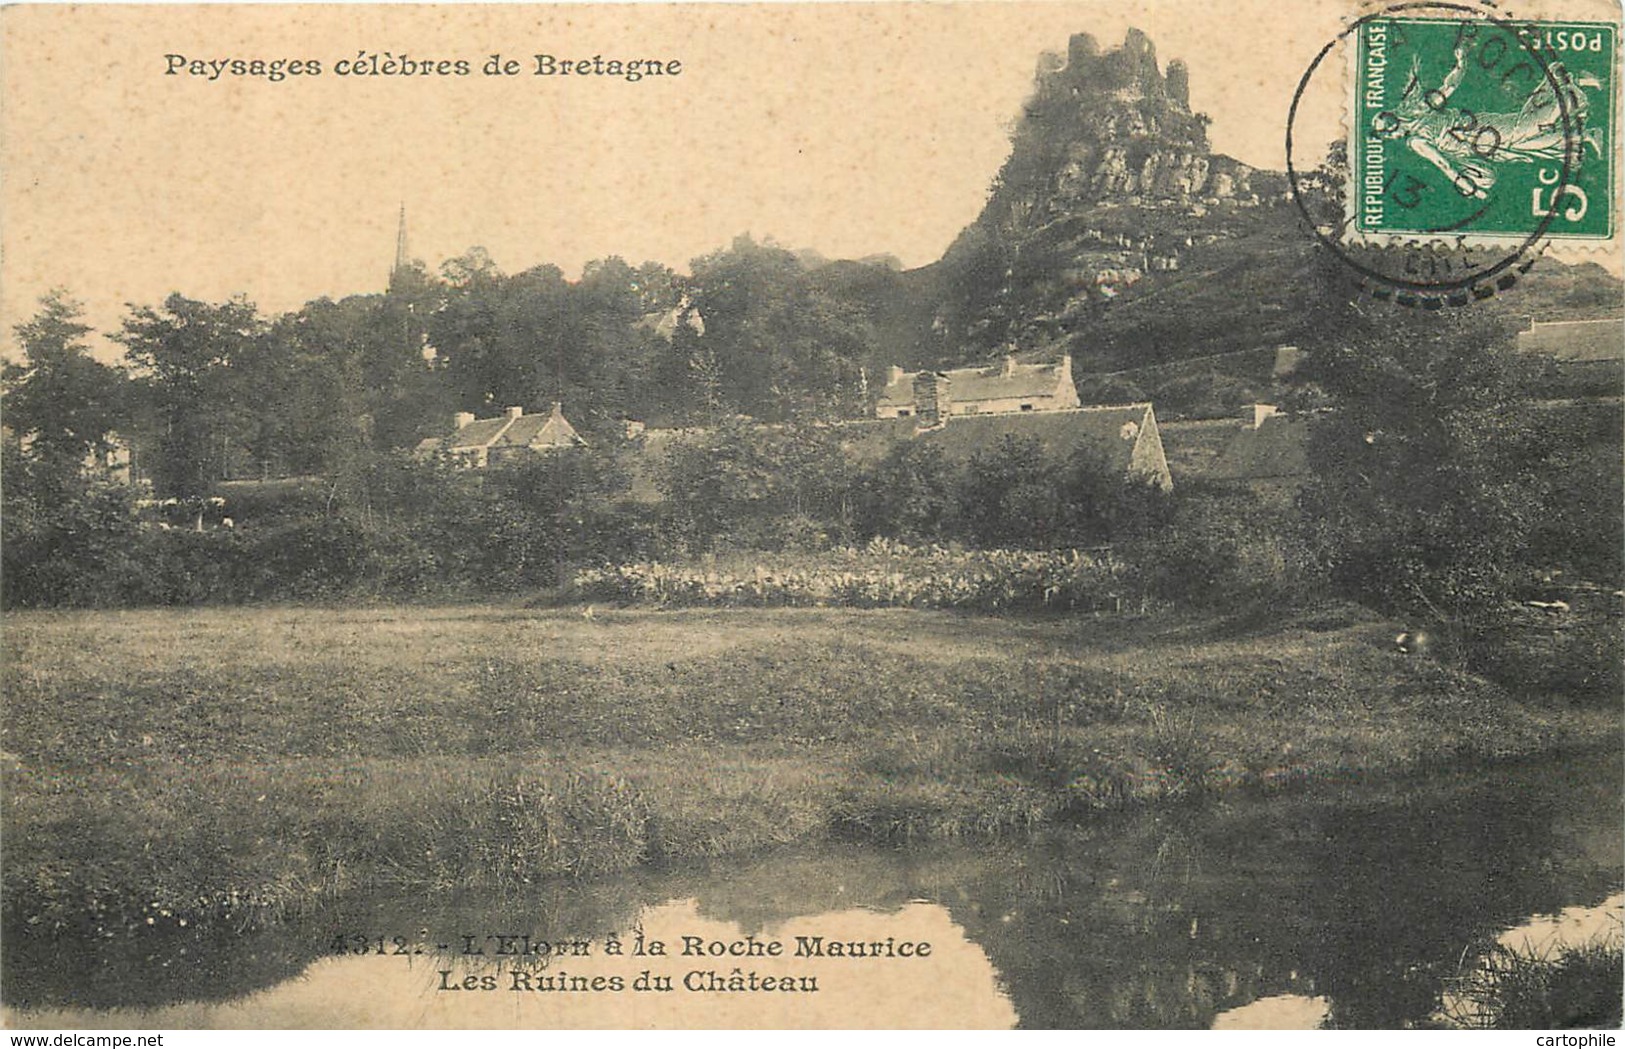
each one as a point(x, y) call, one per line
point(852, 129)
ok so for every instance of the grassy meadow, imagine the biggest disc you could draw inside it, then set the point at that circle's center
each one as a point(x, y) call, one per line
point(241, 763)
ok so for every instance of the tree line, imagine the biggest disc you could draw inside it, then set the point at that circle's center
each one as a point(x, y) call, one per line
point(406, 527)
point(216, 390)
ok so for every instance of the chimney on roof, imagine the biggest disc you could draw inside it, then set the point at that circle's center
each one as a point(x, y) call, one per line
point(514, 412)
point(462, 419)
point(1009, 368)
point(933, 402)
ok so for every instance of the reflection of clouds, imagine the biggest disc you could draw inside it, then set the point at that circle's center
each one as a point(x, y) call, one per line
point(1281, 1012)
point(1570, 927)
point(1542, 937)
point(956, 987)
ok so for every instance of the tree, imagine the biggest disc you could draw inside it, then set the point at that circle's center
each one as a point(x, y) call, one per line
point(607, 366)
point(403, 392)
point(304, 412)
point(466, 333)
point(534, 338)
point(59, 400)
point(67, 537)
point(186, 349)
point(1009, 496)
point(908, 495)
point(783, 346)
point(1431, 472)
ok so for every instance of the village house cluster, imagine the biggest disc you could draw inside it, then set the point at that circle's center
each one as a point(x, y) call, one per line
point(960, 410)
point(965, 409)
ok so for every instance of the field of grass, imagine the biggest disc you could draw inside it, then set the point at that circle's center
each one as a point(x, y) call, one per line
point(236, 764)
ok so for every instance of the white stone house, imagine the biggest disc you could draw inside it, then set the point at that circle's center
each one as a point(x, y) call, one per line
point(510, 436)
point(1008, 386)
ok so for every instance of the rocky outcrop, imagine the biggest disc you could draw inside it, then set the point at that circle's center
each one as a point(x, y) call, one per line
point(1107, 136)
point(1114, 234)
point(1124, 127)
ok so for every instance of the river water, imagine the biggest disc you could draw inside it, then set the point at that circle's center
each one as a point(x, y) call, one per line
point(1353, 905)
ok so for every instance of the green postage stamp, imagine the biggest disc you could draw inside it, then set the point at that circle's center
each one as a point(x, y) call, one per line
point(1483, 128)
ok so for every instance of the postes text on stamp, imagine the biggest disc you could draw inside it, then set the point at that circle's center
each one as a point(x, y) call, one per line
point(1482, 129)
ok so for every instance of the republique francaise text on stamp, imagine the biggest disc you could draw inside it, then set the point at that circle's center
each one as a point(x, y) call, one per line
point(1482, 128)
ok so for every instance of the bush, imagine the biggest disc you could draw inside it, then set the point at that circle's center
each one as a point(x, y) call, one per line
point(1007, 497)
point(739, 485)
point(908, 495)
point(401, 528)
point(191, 568)
point(1223, 550)
point(67, 540)
point(1016, 494)
point(1433, 474)
point(883, 575)
point(311, 559)
point(1518, 990)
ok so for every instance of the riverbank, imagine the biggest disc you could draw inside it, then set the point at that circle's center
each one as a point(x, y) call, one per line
point(238, 764)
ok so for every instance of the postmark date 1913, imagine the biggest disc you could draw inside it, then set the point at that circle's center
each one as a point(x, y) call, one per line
point(1483, 129)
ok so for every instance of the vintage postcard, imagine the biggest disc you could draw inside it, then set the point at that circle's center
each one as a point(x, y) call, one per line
point(1059, 515)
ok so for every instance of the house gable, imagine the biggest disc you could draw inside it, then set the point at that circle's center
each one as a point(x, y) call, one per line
point(1005, 387)
point(480, 442)
point(1126, 435)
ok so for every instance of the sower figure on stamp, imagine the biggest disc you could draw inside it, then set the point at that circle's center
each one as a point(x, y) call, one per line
point(1463, 144)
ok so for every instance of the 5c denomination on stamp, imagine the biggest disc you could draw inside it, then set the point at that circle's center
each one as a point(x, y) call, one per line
point(1482, 128)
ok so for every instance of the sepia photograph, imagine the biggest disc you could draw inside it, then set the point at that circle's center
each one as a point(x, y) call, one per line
point(904, 515)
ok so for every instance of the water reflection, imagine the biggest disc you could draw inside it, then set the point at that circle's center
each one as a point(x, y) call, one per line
point(1545, 937)
point(1352, 908)
point(1278, 1012)
point(954, 987)
point(1571, 927)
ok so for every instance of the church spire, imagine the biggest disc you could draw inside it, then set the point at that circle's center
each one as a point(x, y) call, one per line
point(403, 259)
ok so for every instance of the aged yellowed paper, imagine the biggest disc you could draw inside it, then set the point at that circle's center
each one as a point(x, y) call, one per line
point(896, 515)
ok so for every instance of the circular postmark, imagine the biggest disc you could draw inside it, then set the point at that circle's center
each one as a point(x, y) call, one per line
point(1465, 133)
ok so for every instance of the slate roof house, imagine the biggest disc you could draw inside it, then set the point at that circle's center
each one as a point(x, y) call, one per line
point(1126, 435)
point(1008, 386)
point(1595, 346)
point(1272, 448)
point(509, 436)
